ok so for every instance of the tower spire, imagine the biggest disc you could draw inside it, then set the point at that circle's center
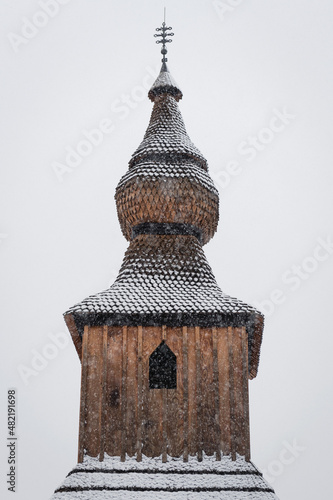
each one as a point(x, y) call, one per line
point(164, 83)
point(164, 32)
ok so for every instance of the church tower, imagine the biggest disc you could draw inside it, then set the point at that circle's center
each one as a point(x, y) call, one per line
point(166, 355)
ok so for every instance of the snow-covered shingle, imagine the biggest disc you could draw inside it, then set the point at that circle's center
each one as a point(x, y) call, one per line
point(173, 480)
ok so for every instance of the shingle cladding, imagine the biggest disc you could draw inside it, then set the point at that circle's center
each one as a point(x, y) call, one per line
point(166, 274)
point(166, 134)
point(174, 480)
point(165, 84)
point(168, 192)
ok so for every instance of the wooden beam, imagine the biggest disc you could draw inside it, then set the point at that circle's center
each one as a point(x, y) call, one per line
point(185, 394)
point(199, 393)
point(123, 396)
point(103, 405)
point(84, 371)
point(175, 396)
point(224, 389)
point(164, 426)
point(132, 390)
point(114, 391)
point(216, 396)
point(192, 403)
point(164, 412)
point(139, 427)
point(94, 391)
point(233, 436)
point(208, 435)
point(238, 391)
point(152, 440)
point(246, 395)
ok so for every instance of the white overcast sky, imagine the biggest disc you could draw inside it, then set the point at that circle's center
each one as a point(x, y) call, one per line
point(239, 66)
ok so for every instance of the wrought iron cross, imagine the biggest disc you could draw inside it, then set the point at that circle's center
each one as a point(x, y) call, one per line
point(164, 40)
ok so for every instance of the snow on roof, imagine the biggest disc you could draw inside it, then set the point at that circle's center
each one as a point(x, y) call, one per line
point(165, 84)
point(175, 479)
point(173, 276)
point(158, 169)
point(166, 134)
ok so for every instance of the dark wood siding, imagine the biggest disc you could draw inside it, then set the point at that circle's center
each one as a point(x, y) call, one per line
point(207, 412)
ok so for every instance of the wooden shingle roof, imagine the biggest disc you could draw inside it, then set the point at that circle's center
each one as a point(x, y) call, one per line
point(175, 480)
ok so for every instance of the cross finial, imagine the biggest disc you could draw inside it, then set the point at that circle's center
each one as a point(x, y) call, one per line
point(164, 40)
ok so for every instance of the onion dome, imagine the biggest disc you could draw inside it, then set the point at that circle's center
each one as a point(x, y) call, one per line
point(167, 183)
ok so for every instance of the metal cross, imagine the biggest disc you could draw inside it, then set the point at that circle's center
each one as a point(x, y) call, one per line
point(164, 34)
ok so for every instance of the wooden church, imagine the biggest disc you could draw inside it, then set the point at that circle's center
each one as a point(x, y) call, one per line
point(166, 355)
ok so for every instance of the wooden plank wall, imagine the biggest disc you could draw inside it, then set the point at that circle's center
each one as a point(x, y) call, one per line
point(207, 413)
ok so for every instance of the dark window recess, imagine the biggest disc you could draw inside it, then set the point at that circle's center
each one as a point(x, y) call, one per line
point(162, 368)
point(114, 399)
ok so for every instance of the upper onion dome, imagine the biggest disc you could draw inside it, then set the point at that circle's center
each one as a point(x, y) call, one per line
point(167, 185)
point(166, 134)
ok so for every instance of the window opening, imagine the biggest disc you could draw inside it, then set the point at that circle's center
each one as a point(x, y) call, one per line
point(163, 368)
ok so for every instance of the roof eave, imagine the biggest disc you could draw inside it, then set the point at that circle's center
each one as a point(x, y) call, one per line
point(75, 334)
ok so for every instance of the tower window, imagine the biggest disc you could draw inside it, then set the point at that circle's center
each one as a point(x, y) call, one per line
point(163, 368)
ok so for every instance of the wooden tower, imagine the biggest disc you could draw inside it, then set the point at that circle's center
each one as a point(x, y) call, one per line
point(166, 355)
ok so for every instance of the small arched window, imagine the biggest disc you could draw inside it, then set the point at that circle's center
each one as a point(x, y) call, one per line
point(163, 368)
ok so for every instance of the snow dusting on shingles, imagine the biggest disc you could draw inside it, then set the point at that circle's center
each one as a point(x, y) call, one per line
point(175, 479)
point(165, 84)
point(166, 134)
point(146, 480)
point(162, 170)
point(209, 463)
point(154, 495)
point(174, 277)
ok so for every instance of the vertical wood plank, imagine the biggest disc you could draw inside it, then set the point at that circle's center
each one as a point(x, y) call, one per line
point(124, 397)
point(164, 412)
point(165, 426)
point(224, 389)
point(132, 390)
point(238, 391)
point(192, 390)
point(175, 416)
point(114, 376)
point(198, 393)
point(140, 399)
point(83, 398)
point(216, 397)
point(152, 438)
point(103, 405)
point(207, 392)
point(246, 395)
point(185, 397)
point(94, 390)
point(233, 436)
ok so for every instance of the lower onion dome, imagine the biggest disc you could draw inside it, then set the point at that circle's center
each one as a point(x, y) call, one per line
point(181, 193)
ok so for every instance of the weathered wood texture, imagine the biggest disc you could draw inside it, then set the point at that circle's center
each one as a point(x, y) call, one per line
point(83, 402)
point(94, 391)
point(207, 412)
